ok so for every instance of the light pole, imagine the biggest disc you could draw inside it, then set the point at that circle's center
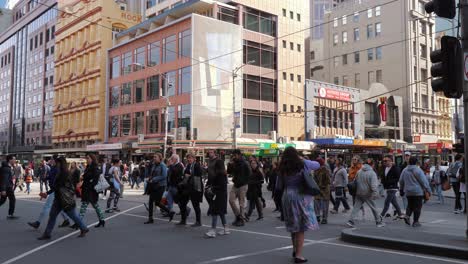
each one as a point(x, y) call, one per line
point(234, 124)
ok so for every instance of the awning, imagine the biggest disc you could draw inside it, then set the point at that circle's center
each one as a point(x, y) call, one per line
point(99, 147)
point(58, 151)
point(333, 141)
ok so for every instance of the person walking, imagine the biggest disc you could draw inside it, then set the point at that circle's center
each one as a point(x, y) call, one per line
point(254, 190)
point(356, 165)
point(367, 190)
point(64, 191)
point(240, 171)
point(28, 180)
point(298, 207)
point(157, 181)
point(135, 177)
point(89, 194)
point(455, 182)
point(75, 173)
point(50, 198)
point(104, 169)
point(19, 176)
point(116, 183)
point(322, 177)
point(193, 190)
point(414, 184)
point(390, 180)
point(272, 176)
point(43, 174)
point(175, 177)
point(437, 177)
point(340, 182)
point(7, 186)
point(216, 189)
point(461, 178)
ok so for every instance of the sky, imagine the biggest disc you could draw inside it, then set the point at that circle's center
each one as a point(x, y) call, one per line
point(2, 3)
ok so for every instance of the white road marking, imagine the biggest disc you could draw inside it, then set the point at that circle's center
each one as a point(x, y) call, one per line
point(280, 227)
point(438, 221)
point(25, 254)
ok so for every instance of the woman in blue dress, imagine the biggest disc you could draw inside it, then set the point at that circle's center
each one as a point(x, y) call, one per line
point(298, 207)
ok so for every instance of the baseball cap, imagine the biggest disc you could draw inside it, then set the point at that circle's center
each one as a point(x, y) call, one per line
point(407, 153)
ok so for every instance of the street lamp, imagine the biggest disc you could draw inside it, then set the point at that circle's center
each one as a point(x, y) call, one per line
point(167, 84)
point(234, 125)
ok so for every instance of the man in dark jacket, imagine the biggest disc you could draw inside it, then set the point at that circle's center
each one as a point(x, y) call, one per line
point(175, 175)
point(240, 172)
point(192, 190)
point(390, 180)
point(7, 186)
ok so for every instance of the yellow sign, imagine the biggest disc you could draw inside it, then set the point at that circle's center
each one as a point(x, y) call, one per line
point(131, 17)
point(369, 143)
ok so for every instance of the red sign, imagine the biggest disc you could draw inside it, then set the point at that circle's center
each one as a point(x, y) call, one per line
point(435, 145)
point(334, 94)
point(417, 139)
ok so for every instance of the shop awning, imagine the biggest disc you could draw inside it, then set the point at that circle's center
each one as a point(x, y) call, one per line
point(58, 151)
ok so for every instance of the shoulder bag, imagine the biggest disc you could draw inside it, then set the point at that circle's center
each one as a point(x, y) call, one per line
point(102, 184)
point(427, 195)
point(310, 186)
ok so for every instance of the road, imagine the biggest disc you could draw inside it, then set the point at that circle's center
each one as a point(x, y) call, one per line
point(125, 239)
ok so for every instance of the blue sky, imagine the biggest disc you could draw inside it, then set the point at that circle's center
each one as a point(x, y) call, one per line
point(2, 3)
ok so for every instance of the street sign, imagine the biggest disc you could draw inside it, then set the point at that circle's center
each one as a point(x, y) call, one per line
point(466, 66)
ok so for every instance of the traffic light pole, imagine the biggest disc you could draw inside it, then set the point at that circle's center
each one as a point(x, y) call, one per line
point(464, 30)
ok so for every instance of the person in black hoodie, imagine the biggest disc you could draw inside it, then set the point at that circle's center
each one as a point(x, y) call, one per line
point(6, 185)
point(64, 190)
point(240, 171)
point(175, 175)
point(390, 180)
point(88, 194)
point(194, 190)
point(254, 192)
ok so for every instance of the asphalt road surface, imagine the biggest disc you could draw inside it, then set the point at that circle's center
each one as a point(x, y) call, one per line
point(125, 239)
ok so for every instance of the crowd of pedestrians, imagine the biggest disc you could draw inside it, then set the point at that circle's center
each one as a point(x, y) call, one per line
point(187, 182)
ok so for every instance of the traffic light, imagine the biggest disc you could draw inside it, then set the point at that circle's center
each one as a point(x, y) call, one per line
point(442, 8)
point(447, 68)
point(460, 147)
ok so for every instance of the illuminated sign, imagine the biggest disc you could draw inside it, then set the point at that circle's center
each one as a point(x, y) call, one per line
point(334, 94)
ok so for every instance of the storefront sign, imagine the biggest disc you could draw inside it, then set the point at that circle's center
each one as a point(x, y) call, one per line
point(416, 138)
point(266, 146)
point(334, 94)
point(98, 147)
point(131, 17)
point(369, 143)
point(109, 152)
point(333, 141)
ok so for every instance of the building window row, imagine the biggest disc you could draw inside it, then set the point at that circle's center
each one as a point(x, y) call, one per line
point(292, 46)
point(5, 60)
point(260, 55)
point(291, 15)
point(373, 30)
point(259, 21)
point(259, 88)
point(259, 122)
point(344, 19)
point(326, 117)
point(291, 77)
point(424, 127)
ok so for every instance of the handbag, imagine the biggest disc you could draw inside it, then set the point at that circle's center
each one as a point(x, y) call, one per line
point(427, 195)
point(102, 184)
point(446, 186)
point(66, 197)
point(310, 186)
point(209, 193)
point(352, 187)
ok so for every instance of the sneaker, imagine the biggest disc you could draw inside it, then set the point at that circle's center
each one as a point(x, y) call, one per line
point(407, 220)
point(108, 211)
point(34, 225)
point(380, 224)
point(388, 215)
point(319, 219)
point(224, 232)
point(116, 209)
point(345, 211)
point(211, 234)
point(457, 211)
point(416, 224)
point(334, 211)
point(64, 224)
point(196, 224)
point(350, 224)
point(12, 217)
point(324, 222)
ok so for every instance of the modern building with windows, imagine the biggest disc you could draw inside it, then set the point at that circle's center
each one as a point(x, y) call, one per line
point(188, 52)
point(26, 72)
point(382, 47)
point(83, 34)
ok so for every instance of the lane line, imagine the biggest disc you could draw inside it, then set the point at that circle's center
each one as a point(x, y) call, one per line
point(62, 238)
point(438, 221)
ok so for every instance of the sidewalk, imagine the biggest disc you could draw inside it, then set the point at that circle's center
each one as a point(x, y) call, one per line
point(425, 240)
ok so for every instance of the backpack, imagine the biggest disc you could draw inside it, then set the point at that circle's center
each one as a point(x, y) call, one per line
point(453, 169)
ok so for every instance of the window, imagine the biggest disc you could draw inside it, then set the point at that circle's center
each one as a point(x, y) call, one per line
point(261, 55)
point(140, 62)
point(372, 114)
point(126, 94)
point(377, 11)
point(185, 80)
point(152, 88)
point(378, 53)
point(35, 41)
point(424, 101)
point(139, 86)
point(183, 116)
point(423, 51)
point(257, 122)
point(370, 31)
point(312, 55)
point(378, 76)
point(423, 75)
point(299, 47)
point(138, 123)
point(291, 14)
point(185, 43)
point(169, 49)
point(127, 63)
point(125, 124)
point(335, 22)
point(345, 59)
point(115, 96)
point(378, 29)
point(421, 8)
point(344, 20)
point(335, 39)
point(291, 107)
point(284, 12)
point(423, 28)
point(171, 83)
point(345, 37)
point(291, 45)
point(298, 17)
point(357, 80)
point(369, 13)
point(285, 108)
point(170, 118)
point(154, 56)
point(228, 15)
point(370, 77)
point(356, 57)
point(115, 67)
point(41, 38)
point(356, 17)
point(291, 77)
point(415, 73)
point(336, 80)
point(370, 54)
point(285, 44)
point(299, 78)
point(152, 122)
point(356, 34)
point(345, 80)
point(285, 76)
point(433, 127)
point(262, 22)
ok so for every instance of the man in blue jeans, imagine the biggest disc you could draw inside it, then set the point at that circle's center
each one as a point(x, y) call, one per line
point(390, 183)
